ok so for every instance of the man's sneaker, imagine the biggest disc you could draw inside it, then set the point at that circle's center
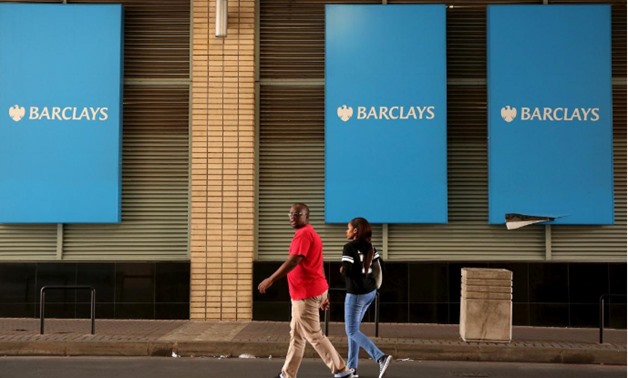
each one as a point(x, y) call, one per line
point(345, 374)
point(383, 362)
point(279, 375)
point(355, 373)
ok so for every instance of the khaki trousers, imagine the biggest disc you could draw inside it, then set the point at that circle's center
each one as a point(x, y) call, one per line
point(306, 326)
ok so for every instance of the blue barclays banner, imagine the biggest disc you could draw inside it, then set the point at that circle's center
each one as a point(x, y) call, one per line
point(550, 113)
point(61, 100)
point(385, 113)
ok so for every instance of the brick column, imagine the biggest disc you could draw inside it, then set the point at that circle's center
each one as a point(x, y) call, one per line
point(223, 170)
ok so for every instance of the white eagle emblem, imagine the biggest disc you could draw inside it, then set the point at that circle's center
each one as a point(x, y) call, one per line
point(345, 112)
point(17, 112)
point(508, 113)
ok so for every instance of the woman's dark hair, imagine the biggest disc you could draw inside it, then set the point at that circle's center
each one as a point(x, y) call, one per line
point(364, 229)
point(364, 234)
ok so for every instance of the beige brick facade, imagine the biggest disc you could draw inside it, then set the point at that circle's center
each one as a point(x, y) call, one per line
point(222, 163)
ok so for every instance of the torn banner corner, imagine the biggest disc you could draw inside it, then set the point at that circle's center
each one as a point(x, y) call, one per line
point(514, 221)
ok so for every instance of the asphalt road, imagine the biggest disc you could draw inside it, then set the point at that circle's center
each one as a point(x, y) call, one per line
point(168, 367)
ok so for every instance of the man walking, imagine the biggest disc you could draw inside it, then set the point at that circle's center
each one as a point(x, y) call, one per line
point(308, 293)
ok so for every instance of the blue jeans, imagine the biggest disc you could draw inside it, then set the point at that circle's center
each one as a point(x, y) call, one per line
point(355, 308)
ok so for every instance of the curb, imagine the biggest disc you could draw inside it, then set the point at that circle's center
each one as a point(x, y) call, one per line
point(86, 348)
point(454, 351)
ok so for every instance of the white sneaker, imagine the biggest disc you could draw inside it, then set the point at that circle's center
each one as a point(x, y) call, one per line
point(345, 374)
point(383, 364)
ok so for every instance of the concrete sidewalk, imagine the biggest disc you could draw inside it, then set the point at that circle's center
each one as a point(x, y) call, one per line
point(71, 337)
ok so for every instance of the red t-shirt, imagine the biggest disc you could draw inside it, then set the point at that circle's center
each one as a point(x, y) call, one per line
point(307, 280)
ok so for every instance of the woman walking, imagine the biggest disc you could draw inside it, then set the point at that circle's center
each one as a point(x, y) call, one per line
point(358, 256)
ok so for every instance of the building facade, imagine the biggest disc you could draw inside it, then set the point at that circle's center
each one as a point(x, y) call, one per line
point(222, 134)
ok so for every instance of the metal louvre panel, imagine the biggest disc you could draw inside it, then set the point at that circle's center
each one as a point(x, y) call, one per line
point(291, 116)
point(287, 178)
point(467, 186)
point(292, 170)
point(156, 38)
point(154, 184)
point(467, 157)
point(154, 207)
point(618, 25)
point(601, 243)
point(605, 243)
point(283, 30)
point(467, 236)
point(618, 16)
point(291, 164)
point(155, 152)
point(22, 242)
point(464, 241)
point(466, 46)
point(292, 38)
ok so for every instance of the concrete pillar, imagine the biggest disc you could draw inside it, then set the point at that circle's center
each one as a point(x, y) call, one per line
point(486, 305)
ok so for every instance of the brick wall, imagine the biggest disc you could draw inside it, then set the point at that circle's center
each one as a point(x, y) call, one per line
point(222, 163)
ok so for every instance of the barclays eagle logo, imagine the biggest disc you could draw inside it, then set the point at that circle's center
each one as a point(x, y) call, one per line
point(508, 113)
point(345, 112)
point(17, 112)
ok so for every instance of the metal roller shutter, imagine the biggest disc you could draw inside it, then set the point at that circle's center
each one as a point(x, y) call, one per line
point(291, 146)
point(292, 169)
point(467, 236)
point(22, 242)
point(602, 243)
point(154, 185)
point(605, 243)
point(292, 38)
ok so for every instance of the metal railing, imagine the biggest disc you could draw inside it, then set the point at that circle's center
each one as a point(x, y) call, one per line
point(42, 303)
point(376, 315)
point(602, 312)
